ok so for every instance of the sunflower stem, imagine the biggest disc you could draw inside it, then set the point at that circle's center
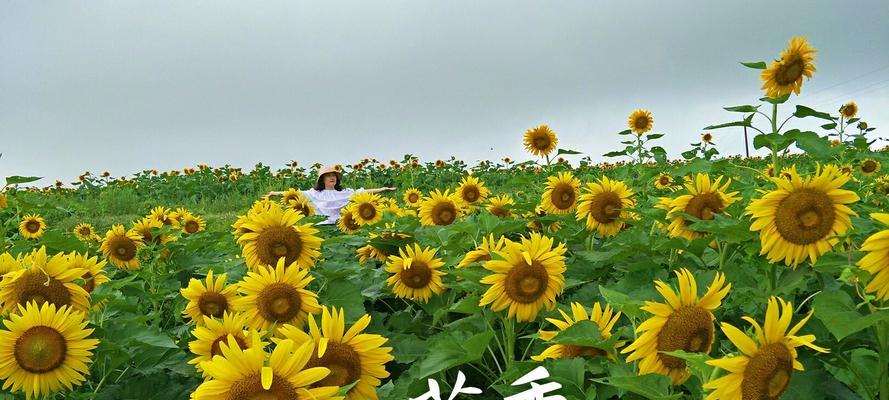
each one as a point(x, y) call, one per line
point(774, 121)
point(883, 340)
point(773, 278)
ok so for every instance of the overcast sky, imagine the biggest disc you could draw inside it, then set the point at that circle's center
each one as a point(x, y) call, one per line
point(126, 86)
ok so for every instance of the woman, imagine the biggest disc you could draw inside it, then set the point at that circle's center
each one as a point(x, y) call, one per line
point(328, 196)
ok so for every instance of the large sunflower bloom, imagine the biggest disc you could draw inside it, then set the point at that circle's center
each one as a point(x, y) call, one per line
point(276, 234)
point(802, 218)
point(191, 223)
point(500, 205)
point(849, 110)
point(276, 296)
point(560, 196)
point(527, 277)
point(472, 190)
point(876, 261)
point(604, 319)
point(214, 332)
point(640, 121)
point(347, 223)
point(44, 279)
point(540, 140)
point(705, 199)
point(415, 273)
point(120, 247)
point(209, 299)
point(351, 356)
point(94, 274)
point(366, 208)
point(604, 204)
point(786, 75)
point(683, 322)
point(440, 208)
point(483, 252)
point(32, 226)
point(44, 348)
point(764, 368)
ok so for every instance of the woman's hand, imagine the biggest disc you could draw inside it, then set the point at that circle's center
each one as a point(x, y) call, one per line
point(392, 188)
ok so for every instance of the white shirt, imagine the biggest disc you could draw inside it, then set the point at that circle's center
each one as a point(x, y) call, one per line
point(330, 202)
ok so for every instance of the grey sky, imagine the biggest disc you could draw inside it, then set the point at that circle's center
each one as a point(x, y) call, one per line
point(126, 86)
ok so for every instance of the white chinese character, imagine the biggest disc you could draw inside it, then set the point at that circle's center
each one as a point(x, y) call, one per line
point(434, 392)
point(537, 391)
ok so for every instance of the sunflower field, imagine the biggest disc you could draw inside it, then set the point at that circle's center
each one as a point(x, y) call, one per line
point(705, 277)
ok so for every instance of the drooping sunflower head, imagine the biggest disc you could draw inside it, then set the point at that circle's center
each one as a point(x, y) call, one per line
point(121, 246)
point(663, 181)
point(86, 232)
point(192, 224)
point(786, 75)
point(95, 270)
point(210, 336)
point(276, 295)
point(440, 208)
point(366, 208)
point(849, 110)
point(45, 348)
point(869, 167)
point(876, 259)
point(347, 223)
point(540, 140)
point(275, 234)
point(604, 319)
point(560, 196)
point(705, 199)
point(32, 226)
point(707, 138)
point(471, 190)
point(484, 251)
point(604, 205)
point(500, 205)
point(209, 299)
point(413, 197)
point(683, 322)
point(43, 279)
point(527, 277)
point(640, 121)
point(415, 273)
point(801, 218)
point(764, 368)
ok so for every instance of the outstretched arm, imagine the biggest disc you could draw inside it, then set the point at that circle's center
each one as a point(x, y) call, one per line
point(272, 193)
point(382, 189)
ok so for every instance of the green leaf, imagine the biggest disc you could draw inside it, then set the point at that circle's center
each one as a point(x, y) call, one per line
point(17, 180)
point(345, 294)
point(755, 64)
point(626, 132)
point(585, 333)
point(451, 349)
point(742, 109)
point(836, 310)
point(615, 153)
point(651, 386)
point(566, 151)
point(829, 126)
point(697, 362)
point(803, 111)
point(776, 100)
point(621, 301)
point(745, 122)
point(818, 147)
point(654, 136)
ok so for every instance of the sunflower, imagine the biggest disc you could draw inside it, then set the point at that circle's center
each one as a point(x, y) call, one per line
point(212, 299)
point(640, 121)
point(192, 224)
point(876, 261)
point(764, 367)
point(346, 223)
point(365, 207)
point(526, 277)
point(351, 356)
point(382, 253)
point(484, 250)
point(275, 296)
point(120, 247)
point(786, 75)
point(604, 319)
point(8, 264)
point(413, 197)
point(540, 140)
point(801, 218)
point(415, 273)
point(178, 214)
point(214, 332)
point(500, 205)
point(44, 279)
point(255, 374)
point(32, 226)
point(849, 110)
point(705, 199)
point(560, 196)
point(683, 322)
point(86, 232)
point(472, 191)
point(163, 214)
point(868, 167)
point(3, 202)
point(276, 234)
point(604, 204)
point(707, 138)
point(144, 228)
point(440, 208)
point(663, 181)
point(44, 348)
point(95, 272)
point(291, 195)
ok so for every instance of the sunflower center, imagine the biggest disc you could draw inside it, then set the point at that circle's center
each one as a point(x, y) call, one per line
point(640, 123)
point(526, 283)
point(342, 360)
point(471, 194)
point(664, 180)
point(350, 222)
point(279, 302)
point(413, 198)
point(40, 349)
point(123, 248)
point(805, 217)
point(571, 351)
point(192, 226)
point(212, 304)
point(89, 283)
point(216, 349)
point(367, 211)
point(768, 373)
point(32, 226)
point(690, 329)
point(790, 71)
point(499, 211)
point(703, 206)
point(85, 231)
point(250, 388)
point(35, 286)
point(444, 213)
point(869, 166)
point(277, 242)
point(541, 142)
point(563, 196)
point(417, 276)
point(605, 207)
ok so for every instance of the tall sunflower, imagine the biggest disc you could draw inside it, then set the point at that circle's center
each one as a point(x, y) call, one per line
point(32, 226)
point(413, 197)
point(500, 205)
point(276, 296)
point(214, 332)
point(95, 272)
point(704, 200)
point(640, 121)
point(683, 322)
point(540, 140)
point(255, 374)
point(440, 208)
point(365, 208)
point(86, 232)
point(209, 299)
point(351, 356)
point(44, 279)
point(786, 75)
point(604, 204)
point(604, 319)
point(560, 196)
point(347, 223)
point(526, 277)
point(415, 273)
point(849, 110)
point(121, 246)
point(876, 261)
point(764, 368)
point(192, 224)
point(276, 234)
point(869, 167)
point(483, 252)
point(802, 218)
point(44, 348)
point(472, 190)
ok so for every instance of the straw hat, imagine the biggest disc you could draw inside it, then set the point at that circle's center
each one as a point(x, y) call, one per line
point(327, 169)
